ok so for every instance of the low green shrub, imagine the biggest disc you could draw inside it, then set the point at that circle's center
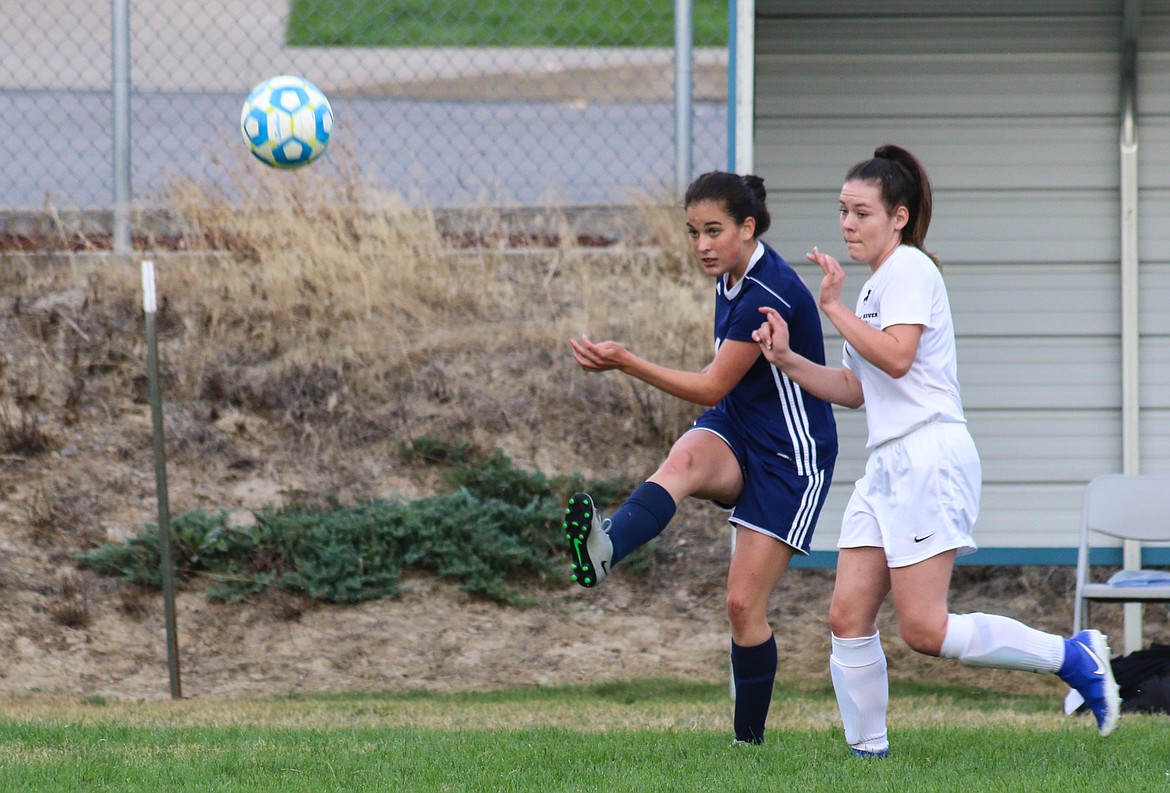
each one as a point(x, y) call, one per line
point(499, 527)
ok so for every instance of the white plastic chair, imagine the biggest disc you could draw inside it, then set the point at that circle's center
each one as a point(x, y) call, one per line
point(1133, 508)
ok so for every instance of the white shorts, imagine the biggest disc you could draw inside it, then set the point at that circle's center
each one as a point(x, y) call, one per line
point(919, 496)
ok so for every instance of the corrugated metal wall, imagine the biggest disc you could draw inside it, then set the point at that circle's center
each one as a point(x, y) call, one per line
point(1014, 109)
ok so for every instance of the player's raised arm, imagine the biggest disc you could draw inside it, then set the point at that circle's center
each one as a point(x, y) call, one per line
point(705, 387)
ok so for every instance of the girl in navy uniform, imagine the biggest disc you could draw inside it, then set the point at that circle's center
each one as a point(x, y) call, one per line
point(915, 508)
point(764, 449)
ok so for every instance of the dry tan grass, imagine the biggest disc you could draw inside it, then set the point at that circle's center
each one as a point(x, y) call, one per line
point(324, 299)
point(340, 315)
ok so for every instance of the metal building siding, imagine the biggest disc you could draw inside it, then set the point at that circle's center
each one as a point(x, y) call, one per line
point(1013, 108)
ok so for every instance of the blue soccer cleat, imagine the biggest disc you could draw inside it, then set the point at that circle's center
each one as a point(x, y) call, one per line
point(868, 755)
point(1087, 670)
point(590, 548)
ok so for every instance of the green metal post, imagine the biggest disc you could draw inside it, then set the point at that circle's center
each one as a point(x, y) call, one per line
point(160, 476)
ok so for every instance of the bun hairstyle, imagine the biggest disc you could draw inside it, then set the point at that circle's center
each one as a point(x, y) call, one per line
point(903, 182)
point(742, 197)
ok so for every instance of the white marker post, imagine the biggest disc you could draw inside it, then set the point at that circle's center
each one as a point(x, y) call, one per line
point(160, 476)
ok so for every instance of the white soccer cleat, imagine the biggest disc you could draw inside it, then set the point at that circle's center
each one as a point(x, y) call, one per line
point(590, 548)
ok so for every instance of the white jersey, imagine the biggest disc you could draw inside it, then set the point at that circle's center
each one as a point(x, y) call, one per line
point(908, 289)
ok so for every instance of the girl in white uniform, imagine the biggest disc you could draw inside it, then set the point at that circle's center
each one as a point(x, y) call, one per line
point(913, 511)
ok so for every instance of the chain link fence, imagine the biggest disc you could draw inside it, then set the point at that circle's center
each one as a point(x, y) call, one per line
point(449, 103)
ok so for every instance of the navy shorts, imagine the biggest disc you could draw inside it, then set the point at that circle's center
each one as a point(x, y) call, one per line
point(776, 500)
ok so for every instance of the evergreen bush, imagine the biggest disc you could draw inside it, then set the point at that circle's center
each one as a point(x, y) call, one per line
point(498, 528)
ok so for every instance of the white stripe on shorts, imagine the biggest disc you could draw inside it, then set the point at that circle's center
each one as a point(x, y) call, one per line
point(805, 519)
point(804, 446)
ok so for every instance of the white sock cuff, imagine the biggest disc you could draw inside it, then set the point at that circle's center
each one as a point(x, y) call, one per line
point(960, 629)
point(858, 651)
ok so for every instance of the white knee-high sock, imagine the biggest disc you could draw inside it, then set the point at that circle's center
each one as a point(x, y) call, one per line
point(1001, 642)
point(858, 668)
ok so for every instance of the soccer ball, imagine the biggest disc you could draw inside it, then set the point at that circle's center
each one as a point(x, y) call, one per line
point(286, 122)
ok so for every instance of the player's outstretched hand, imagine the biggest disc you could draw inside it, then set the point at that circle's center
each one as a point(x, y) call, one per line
point(772, 336)
point(600, 357)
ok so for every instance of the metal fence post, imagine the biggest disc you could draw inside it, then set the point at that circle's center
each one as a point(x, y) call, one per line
point(120, 14)
point(684, 37)
point(742, 66)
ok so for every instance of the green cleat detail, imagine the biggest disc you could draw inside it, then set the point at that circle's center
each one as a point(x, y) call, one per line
point(590, 548)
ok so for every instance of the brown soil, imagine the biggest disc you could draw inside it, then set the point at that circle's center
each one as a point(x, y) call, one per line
point(68, 631)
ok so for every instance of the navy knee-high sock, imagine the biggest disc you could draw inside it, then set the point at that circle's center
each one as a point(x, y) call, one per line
point(754, 671)
point(640, 519)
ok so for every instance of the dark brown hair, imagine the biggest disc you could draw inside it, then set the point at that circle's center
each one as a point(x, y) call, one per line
point(742, 197)
point(903, 182)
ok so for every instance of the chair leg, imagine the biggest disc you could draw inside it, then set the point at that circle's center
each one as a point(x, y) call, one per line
point(1132, 621)
point(1080, 616)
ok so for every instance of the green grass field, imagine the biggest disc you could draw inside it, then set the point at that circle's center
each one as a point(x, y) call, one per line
point(640, 736)
point(499, 23)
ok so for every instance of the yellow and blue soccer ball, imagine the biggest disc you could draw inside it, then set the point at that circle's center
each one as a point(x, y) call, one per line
point(286, 122)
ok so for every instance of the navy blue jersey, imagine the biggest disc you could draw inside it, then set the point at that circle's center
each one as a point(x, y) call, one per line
point(774, 414)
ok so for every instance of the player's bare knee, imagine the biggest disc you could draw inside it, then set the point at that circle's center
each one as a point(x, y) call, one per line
point(923, 638)
point(679, 464)
point(844, 621)
point(742, 612)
